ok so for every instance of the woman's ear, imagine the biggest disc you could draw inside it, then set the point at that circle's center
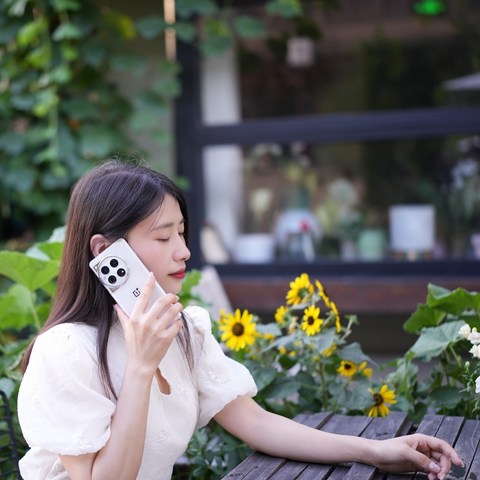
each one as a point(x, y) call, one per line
point(98, 243)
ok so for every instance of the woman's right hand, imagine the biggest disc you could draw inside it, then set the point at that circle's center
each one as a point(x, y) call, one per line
point(150, 332)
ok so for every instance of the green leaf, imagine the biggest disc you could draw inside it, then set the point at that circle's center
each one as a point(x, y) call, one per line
point(29, 34)
point(281, 342)
point(185, 31)
point(7, 385)
point(66, 31)
point(17, 8)
point(284, 8)
point(324, 340)
point(249, 27)
point(128, 62)
point(79, 109)
point(214, 45)
point(30, 272)
point(434, 340)
point(45, 101)
point(168, 87)
point(281, 388)
point(47, 251)
point(65, 5)
point(169, 68)
point(12, 143)
point(98, 140)
point(423, 316)
point(263, 376)
point(454, 302)
point(191, 280)
point(150, 27)
point(20, 179)
point(61, 75)
point(353, 352)
point(39, 57)
point(121, 23)
point(269, 328)
point(16, 308)
point(187, 8)
point(446, 397)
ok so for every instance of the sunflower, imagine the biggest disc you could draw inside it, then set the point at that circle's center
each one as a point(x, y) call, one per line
point(280, 314)
point(329, 351)
point(322, 293)
point(311, 324)
point(238, 329)
point(347, 368)
point(382, 400)
point(300, 290)
point(367, 372)
point(334, 310)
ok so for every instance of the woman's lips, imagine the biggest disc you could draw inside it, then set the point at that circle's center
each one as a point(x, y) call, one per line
point(180, 274)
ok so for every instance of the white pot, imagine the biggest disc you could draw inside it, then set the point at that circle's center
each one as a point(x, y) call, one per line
point(412, 228)
point(254, 248)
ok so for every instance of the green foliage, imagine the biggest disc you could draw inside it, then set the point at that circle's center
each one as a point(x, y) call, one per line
point(60, 108)
point(28, 281)
point(60, 111)
point(294, 371)
point(443, 325)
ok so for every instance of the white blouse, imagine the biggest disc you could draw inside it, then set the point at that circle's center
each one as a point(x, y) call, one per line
point(63, 408)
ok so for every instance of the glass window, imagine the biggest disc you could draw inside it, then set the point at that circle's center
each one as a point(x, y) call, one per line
point(361, 56)
point(396, 200)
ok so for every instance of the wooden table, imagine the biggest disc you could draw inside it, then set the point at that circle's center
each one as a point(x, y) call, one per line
point(463, 434)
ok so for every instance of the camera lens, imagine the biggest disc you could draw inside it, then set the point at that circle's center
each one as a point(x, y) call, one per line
point(121, 272)
point(112, 279)
point(104, 270)
point(114, 262)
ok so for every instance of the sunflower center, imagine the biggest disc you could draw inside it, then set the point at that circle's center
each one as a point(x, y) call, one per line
point(378, 399)
point(310, 320)
point(238, 329)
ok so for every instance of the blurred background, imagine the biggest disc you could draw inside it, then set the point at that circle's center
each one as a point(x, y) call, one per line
point(338, 138)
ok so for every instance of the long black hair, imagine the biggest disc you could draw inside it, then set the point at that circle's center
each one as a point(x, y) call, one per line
point(109, 200)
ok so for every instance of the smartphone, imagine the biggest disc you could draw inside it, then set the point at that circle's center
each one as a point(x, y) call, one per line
point(123, 274)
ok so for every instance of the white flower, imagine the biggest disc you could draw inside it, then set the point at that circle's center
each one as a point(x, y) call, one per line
point(477, 385)
point(475, 351)
point(474, 337)
point(464, 331)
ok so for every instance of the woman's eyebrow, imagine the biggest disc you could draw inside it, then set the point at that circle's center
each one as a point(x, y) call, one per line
point(162, 226)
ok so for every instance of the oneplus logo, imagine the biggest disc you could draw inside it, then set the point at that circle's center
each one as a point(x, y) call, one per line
point(136, 292)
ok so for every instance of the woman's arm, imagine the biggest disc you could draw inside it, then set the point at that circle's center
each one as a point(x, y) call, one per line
point(148, 336)
point(279, 436)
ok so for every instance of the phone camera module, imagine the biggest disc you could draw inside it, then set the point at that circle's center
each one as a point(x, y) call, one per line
point(113, 272)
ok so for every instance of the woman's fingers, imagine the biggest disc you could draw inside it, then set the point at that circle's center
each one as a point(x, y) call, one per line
point(144, 297)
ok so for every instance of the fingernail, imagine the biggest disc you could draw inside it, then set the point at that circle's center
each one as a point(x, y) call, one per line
point(434, 466)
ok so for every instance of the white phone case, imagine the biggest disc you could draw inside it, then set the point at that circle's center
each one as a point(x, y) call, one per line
point(123, 274)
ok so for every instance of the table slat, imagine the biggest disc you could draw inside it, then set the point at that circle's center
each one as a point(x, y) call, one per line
point(466, 446)
point(463, 434)
point(259, 466)
point(380, 429)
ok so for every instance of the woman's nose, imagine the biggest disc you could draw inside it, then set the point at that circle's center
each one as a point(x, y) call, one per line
point(183, 253)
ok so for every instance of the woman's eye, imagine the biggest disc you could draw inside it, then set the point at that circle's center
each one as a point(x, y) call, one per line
point(163, 239)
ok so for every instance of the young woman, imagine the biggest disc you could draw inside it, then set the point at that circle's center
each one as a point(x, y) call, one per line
point(107, 396)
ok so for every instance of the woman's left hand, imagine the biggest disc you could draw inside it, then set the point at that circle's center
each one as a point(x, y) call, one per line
point(417, 452)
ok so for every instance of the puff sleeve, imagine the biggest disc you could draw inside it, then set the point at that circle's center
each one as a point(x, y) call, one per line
point(62, 407)
point(219, 378)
